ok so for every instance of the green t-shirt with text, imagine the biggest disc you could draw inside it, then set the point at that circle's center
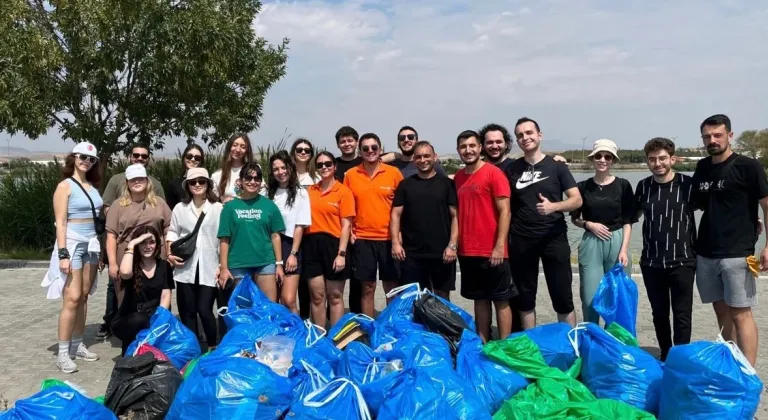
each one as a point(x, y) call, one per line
point(249, 225)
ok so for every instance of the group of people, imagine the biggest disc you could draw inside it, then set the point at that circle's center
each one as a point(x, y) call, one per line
point(311, 221)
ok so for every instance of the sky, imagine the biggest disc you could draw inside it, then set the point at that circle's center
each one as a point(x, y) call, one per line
point(623, 70)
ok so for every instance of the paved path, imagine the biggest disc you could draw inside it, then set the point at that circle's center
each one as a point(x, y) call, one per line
point(28, 328)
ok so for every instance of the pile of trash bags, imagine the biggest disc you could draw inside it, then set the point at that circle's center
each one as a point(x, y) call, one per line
point(421, 358)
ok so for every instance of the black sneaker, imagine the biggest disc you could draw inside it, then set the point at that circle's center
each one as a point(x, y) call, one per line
point(104, 332)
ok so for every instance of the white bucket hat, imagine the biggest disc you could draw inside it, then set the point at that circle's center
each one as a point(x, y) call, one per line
point(605, 145)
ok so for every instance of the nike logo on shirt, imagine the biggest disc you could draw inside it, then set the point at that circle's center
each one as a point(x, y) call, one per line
point(529, 178)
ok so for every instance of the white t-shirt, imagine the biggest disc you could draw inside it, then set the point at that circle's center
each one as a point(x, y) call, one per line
point(234, 175)
point(306, 181)
point(299, 214)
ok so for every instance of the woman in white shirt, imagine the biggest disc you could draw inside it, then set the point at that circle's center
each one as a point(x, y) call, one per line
point(237, 153)
point(196, 277)
point(293, 201)
point(303, 154)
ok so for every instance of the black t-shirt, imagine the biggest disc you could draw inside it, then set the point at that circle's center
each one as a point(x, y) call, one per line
point(669, 225)
point(426, 220)
point(504, 164)
point(342, 166)
point(612, 205)
point(174, 192)
point(548, 178)
point(728, 193)
point(147, 299)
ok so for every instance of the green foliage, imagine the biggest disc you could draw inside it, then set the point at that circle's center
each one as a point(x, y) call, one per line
point(116, 72)
point(26, 208)
point(754, 143)
point(451, 166)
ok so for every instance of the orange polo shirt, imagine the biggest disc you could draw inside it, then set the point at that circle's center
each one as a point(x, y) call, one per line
point(329, 208)
point(373, 199)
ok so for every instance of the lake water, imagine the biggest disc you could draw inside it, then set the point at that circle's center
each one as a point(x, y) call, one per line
point(636, 241)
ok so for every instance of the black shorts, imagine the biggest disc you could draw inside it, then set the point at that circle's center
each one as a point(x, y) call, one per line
point(431, 273)
point(319, 250)
point(555, 255)
point(481, 281)
point(372, 255)
point(287, 246)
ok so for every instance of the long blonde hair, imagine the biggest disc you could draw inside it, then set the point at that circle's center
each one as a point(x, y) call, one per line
point(149, 195)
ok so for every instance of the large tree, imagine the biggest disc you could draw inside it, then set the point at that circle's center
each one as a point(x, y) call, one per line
point(753, 143)
point(116, 72)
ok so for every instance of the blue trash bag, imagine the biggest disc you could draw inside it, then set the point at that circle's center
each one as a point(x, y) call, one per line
point(616, 299)
point(709, 380)
point(379, 376)
point(247, 295)
point(58, 402)
point(308, 373)
point(231, 388)
point(248, 304)
point(401, 307)
point(494, 383)
point(387, 333)
point(244, 337)
point(313, 338)
point(553, 342)
point(418, 348)
point(431, 393)
point(366, 324)
point(355, 360)
point(340, 399)
point(616, 371)
point(169, 335)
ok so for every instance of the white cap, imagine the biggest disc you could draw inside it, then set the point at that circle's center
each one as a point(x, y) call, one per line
point(85, 148)
point(136, 170)
point(605, 145)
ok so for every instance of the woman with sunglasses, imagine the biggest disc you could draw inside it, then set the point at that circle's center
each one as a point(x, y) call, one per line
point(237, 152)
point(606, 215)
point(193, 157)
point(326, 264)
point(293, 201)
point(303, 153)
point(250, 244)
point(196, 277)
point(75, 259)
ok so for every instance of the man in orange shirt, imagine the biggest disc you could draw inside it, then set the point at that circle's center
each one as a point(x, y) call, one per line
point(373, 185)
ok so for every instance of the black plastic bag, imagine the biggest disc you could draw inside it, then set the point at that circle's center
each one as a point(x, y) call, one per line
point(142, 385)
point(438, 317)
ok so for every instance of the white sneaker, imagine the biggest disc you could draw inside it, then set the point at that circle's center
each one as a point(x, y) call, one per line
point(85, 354)
point(65, 364)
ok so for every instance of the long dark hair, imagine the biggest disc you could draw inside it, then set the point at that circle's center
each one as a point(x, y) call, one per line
point(93, 175)
point(209, 194)
point(138, 273)
point(293, 178)
point(190, 147)
point(311, 170)
point(226, 159)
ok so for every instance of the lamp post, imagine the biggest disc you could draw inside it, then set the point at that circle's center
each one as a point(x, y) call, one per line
point(583, 150)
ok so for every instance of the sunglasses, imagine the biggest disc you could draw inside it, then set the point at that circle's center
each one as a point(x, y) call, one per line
point(198, 181)
point(403, 137)
point(606, 157)
point(196, 158)
point(325, 164)
point(373, 148)
point(307, 150)
point(141, 156)
point(86, 158)
point(251, 178)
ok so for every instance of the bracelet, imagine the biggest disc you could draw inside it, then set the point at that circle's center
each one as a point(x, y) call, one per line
point(63, 254)
point(279, 262)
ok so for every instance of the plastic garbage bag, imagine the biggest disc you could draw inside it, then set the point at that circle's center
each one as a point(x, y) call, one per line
point(248, 304)
point(276, 352)
point(146, 348)
point(434, 392)
point(244, 337)
point(494, 383)
point(386, 333)
point(352, 321)
point(338, 399)
point(170, 336)
point(52, 382)
point(417, 348)
point(401, 306)
point(709, 380)
point(310, 337)
point(379, 376)
point(57, 402)
point(306, 378)
point(616, 299)
point(191, 365)
point(622, 335)
point(614, 370)
point(553, 343)
point(438, 317)
point(355, 360)
point(143, 386)
point(231, 388)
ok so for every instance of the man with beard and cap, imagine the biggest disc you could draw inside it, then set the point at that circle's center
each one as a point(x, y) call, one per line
point(406, 140)
point(423, 225)
point(730, 188)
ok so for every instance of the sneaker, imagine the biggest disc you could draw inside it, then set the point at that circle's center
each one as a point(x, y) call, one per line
point(85, 354)
point(65, 364)
point(104, 332)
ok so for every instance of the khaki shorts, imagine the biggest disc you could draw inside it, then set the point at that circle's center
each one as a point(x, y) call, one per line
point(726, 279)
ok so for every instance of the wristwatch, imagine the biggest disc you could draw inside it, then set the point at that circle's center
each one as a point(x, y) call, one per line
point(453, 247)
point(343, 253)
point(294, 253)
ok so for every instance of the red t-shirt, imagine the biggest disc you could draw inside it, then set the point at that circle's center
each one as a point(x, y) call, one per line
point(478, 217)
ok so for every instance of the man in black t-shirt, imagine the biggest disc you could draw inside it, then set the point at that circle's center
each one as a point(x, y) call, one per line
point(668, 260)
point(423, 225)
point(730, 188)
point(538, 230)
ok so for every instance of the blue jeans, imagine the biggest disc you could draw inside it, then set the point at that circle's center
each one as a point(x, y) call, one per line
point(254, 271)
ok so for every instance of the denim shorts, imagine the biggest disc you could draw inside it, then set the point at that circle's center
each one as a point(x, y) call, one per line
point(81, 256)
point(265, 270)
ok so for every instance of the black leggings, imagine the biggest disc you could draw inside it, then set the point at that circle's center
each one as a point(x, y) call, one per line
point(127, 327)
point(197, 300)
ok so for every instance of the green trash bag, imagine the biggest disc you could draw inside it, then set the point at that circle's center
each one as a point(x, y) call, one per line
point(191, 365)
point(621, 334)
point(51, 382)
point(554, 394)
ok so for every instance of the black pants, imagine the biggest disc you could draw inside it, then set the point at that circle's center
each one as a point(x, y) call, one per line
point(197, 300)
point(670, 286)
point(304, 299)
point(127, 327)
point(111, 311)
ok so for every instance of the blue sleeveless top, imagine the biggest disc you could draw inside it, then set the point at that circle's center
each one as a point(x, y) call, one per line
point(78, 206)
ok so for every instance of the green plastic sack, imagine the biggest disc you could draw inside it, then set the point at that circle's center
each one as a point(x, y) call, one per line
point(191, 365)
point(51, 382)
point(621, 334)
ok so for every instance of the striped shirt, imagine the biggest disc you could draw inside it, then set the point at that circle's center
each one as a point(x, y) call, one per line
point(669, 226)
